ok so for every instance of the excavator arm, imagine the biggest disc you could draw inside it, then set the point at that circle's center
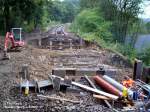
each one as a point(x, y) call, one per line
point(9, 38)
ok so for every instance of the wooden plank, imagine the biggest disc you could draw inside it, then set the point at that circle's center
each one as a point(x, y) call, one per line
point(60, 99)
point(90, 82)
point(44, 83)
point(95, 90)
point(25, 73)
point(101, 97)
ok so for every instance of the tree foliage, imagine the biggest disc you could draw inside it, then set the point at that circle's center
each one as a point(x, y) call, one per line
point(89, 4)
point(18, 13)
point(12, 10)
point(122, 13)
point(31, 14)
point(91, 22)
point(148, 27)
point(145, 56)
point(63, 11)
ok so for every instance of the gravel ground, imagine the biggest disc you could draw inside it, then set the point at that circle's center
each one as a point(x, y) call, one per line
point(40, 63)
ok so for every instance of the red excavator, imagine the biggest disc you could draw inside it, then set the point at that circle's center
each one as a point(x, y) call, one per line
point(13, 41)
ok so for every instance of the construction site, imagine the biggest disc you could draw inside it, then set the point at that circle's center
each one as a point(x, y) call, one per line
point(57, 71)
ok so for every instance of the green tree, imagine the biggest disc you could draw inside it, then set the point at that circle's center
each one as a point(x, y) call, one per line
point(92, 23)
point(23, 13)
point(11, 10)
point(63, 11)
point(148, 27)
point(122, 14)
point(89, 4)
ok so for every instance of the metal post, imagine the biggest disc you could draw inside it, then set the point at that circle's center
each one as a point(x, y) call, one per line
point(25, 72)
point(70, 42)
point(138, 68)
point(20, 34)
point(60, 44)
point(39, 42)
point(81, 43)
point(51, 44)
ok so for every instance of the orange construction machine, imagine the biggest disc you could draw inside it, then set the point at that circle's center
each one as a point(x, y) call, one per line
point(13, 41)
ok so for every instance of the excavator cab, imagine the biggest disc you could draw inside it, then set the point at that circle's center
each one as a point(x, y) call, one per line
point(17, 33)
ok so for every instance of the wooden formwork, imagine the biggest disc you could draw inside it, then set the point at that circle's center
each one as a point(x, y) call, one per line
point(60, 43)
point(79, 72)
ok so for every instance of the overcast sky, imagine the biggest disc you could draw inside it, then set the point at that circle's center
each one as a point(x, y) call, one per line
point(146, 10)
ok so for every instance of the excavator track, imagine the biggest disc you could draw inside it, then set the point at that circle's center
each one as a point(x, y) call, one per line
point(16, 49)
point(1, 47)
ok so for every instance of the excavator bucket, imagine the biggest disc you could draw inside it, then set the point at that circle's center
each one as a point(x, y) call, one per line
point(3, 54)
point(6, 56)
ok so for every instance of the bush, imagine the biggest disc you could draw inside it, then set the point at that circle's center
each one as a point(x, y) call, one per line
point(145, 56)
point(125, 50)
point(91, 25)
point(128, 51)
